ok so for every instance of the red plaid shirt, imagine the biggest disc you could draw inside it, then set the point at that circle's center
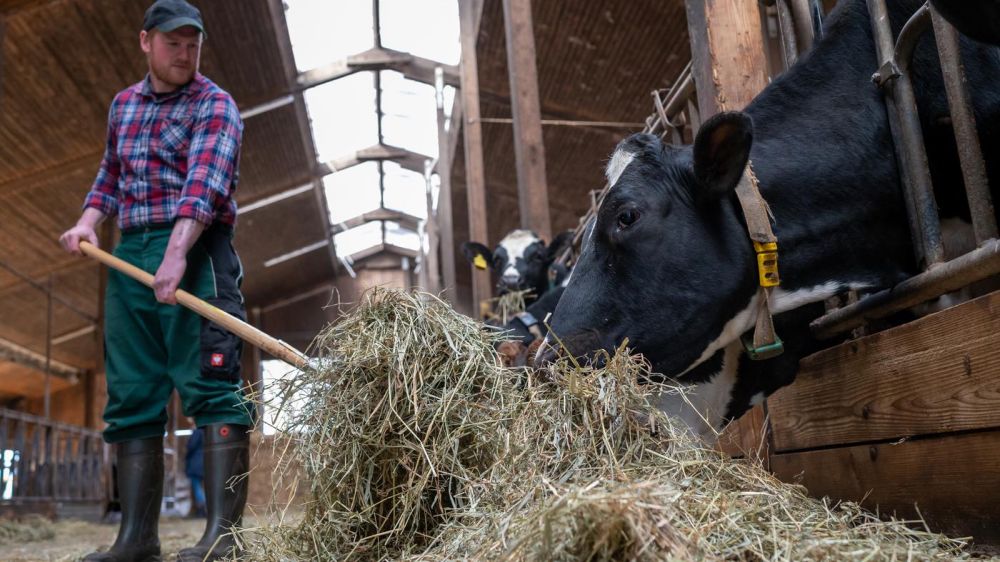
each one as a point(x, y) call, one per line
point(170, 156)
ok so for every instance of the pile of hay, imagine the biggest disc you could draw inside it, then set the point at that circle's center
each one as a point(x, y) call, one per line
point(417, 445)
point(26, 529)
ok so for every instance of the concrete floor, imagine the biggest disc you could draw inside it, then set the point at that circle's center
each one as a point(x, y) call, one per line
point(73, 539)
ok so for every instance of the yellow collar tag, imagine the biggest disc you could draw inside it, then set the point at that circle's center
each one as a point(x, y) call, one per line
point(479, 261)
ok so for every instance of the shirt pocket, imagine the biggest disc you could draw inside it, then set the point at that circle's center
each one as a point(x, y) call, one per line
point(174, 137)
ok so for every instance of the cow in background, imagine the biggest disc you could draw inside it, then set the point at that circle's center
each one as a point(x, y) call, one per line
point(522, 262)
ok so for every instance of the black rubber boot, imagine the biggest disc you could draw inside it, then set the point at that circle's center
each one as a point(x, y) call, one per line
point(140, 488)
point(227, 461)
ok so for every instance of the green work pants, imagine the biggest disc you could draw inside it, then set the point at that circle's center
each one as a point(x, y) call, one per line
point(152, 348)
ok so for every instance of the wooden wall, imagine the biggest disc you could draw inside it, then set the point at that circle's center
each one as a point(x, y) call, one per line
point(907, 420)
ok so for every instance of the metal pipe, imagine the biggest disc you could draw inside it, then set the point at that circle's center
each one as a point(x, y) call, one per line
point(974, 266)
point(802, 16)
point(786, 27)
point(925, 228)
point(963, 121)
point(912, 30)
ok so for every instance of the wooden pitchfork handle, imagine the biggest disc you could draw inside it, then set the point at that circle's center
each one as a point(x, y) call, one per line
point(248, 333)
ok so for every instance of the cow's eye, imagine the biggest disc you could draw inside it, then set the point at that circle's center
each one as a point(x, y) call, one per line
point(627, 218)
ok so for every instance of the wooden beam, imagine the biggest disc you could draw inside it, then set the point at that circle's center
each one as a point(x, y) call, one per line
point(378, 58)
point(444, 216)
point(727, 53)
point(729, 67)
point(407, 159)
point(277, 10)
point(938, 374)
point(475, 177)
point(10, 351)
point(3, 30)
point(405, 220)
point(952, 480)
point(529, 147)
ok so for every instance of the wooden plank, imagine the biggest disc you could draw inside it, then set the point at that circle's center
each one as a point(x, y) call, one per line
point(953, 481)
point(475, 177)
point(729, 67)
point(938, 374)
point(529, 147)
point(10, 351)
point(727, 53)
point(748, 436)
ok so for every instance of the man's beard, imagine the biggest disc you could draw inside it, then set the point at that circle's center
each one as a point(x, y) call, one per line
point(175, 79)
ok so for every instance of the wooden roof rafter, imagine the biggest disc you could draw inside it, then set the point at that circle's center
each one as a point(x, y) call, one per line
point(407, 159)
point(379, 58)
point(405, 220)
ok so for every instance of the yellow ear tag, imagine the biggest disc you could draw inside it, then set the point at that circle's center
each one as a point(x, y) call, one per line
point(479, 261)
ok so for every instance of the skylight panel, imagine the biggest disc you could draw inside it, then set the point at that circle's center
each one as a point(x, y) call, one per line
point(323, 32)
point(358, 239)
point(405, 190)
point(343, 117)
point(409, 114)
point(352, 191)
point(436, 39)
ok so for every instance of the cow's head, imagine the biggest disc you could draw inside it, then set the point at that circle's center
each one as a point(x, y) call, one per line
point(668, 262)
point(521, 260)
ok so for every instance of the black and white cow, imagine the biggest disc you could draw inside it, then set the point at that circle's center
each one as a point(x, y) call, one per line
point(522, 261)
point(669, 265)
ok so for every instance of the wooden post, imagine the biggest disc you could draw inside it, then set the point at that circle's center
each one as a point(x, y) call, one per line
point(729, 65)
point(3, 27)
point(728, 58)
point(529, 147)
point(446, 232)
point(48, 352)
point(474, 170)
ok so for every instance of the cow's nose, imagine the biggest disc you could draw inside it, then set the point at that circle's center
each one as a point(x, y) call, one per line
point(510, 279)
point(545, 355)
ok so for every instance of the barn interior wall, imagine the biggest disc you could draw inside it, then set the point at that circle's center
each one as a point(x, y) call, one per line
point(65, 406)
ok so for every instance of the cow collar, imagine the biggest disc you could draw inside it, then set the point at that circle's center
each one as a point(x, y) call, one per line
point(765, 343)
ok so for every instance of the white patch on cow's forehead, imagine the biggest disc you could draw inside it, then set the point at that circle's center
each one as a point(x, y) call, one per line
point(516, 243)
point(619, 161)
point(703, 408)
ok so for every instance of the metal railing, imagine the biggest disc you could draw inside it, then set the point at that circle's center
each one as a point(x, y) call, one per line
point(939, 277)
point(49, 461)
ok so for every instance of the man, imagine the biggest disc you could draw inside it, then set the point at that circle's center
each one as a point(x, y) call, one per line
point(169, 170)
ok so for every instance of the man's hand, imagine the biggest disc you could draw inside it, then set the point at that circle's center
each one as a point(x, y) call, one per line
point(70, 240)
point(171, 271)
point(168, 277)
point(84, 230)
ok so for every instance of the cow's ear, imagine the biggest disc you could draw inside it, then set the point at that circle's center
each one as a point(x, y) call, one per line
point(477, 254)
point(721, 151)
point(560, 243)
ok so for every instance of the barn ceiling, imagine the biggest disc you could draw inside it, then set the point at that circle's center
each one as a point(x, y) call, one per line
point(63, 61)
